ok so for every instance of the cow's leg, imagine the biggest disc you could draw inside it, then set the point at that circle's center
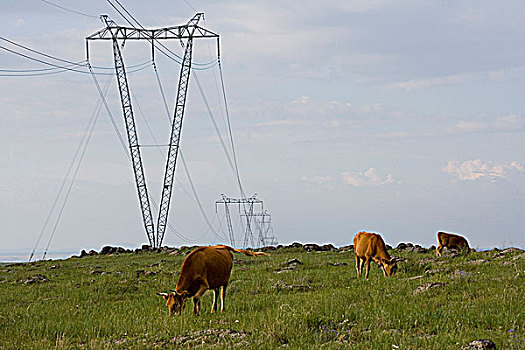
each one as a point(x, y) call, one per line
point(384, 270)
point(361, 265)
point(223, 296)
point(196, 305)
point(357, 267)
point(438, 250)
point(367, 267)
point(197, 299)
point(215, 297)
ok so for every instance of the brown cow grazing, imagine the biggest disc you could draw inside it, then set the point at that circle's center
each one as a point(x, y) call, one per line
point(370, 246)
point(450, 240)
point(204, 268)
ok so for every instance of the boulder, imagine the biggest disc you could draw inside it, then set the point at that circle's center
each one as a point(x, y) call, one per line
point(346, 248)
point(481, 344)
point(424, 287)
point(311, 247)
point(409, 247)
point(107, 250)
point(35, 279)
point(289, 265)
point(268, 248)
point(328, 248)
point(401, 246)
point(292, 262)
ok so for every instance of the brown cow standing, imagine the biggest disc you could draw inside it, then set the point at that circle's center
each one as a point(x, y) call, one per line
point(450, 240)
point(370, 246)
point(204, 268)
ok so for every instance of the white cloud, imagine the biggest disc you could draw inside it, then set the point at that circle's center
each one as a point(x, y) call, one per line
point(506, 123)
point(431, 82)
point(321, 181)
point(471, 170)
point(454, 79)
point(368, 178)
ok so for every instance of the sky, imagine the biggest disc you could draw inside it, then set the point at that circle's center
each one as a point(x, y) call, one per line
point(398, 117)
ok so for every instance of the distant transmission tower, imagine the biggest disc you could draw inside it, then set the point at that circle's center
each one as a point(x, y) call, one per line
point(264, 229)
point(189, 31)
point(250, 208)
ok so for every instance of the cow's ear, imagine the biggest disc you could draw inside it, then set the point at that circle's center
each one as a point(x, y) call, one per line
point(164, 295)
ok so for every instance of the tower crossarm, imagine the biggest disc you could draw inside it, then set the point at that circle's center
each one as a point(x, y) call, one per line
point(186, 31)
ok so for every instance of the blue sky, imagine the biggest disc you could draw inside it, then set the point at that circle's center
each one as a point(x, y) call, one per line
point(402, 118)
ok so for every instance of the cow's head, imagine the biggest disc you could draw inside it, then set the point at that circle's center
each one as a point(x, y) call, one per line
point(389, 266)
point(175, 301)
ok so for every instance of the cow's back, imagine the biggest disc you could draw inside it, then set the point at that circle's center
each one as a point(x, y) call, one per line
point(368, 244)
point(452, 240)
point(210, 264)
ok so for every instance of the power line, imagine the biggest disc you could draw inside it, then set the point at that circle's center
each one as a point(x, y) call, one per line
point(210, 114)
point(125, 10)
point(62, 68)
point(120, 13)
point(184, 238)
point(67, 9)
point(67, 67)
point(190, 5)
point(179, 61)
point(40, 53)
point(73, 161)
point(21, 73)
point(89, 131)
point(41, 61)
point(109, 113)
point(182, 157)
point(230, 130)
point(180, 107)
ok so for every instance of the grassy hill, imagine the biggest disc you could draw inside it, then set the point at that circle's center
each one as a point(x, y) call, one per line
point(109, 302)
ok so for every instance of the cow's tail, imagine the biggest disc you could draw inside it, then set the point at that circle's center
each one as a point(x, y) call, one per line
point(246, 252)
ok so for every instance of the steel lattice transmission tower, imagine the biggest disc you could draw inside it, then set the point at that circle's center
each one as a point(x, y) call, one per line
point(250, 213)
point(264, 229)
point(189, 31)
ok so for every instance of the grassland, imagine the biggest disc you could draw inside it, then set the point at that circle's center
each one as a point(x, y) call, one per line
point(109, 302)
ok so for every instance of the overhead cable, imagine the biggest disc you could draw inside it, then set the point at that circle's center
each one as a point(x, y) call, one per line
point(157, 42)
point(196, 196)
point(67, 9)
point(122, 143)
point(73, 161)
point(85, 140)
point(62, 68)
point(230, 131)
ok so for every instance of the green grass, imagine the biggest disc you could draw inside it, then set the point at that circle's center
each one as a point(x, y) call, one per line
point(80, 307)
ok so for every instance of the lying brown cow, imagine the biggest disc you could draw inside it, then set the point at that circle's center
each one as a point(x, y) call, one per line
point(450, 240)
point(370, 246)
point(204, 268)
